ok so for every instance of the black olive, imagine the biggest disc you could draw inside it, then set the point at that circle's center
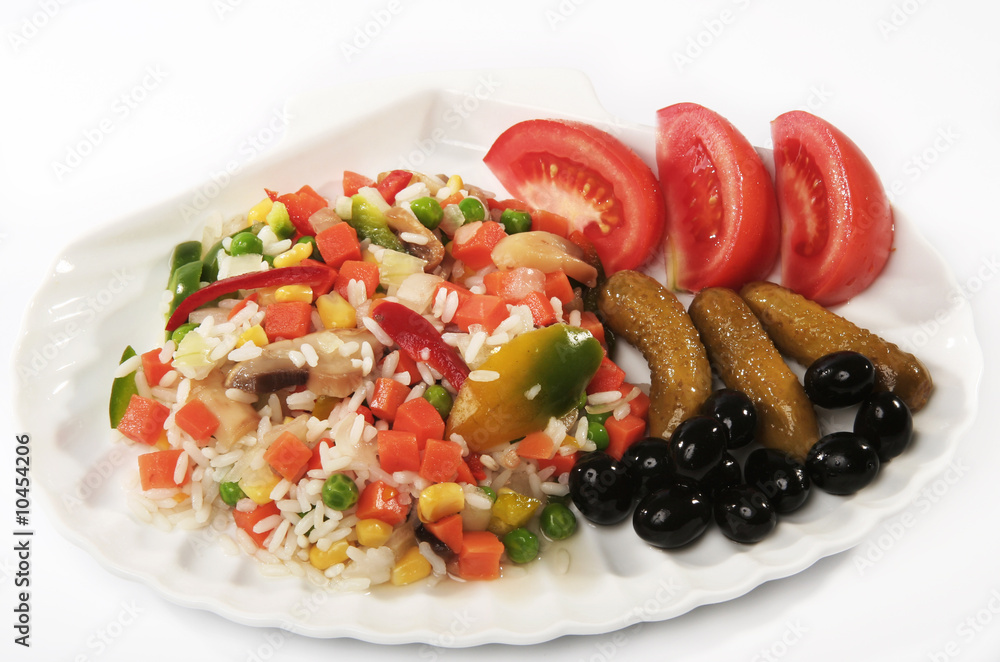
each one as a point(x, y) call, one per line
point(423, 534)
point(672, 517)
point(840, 379)
point(782, 478)
point(744, 514)
point(647, 463)
point(885, 421)
point(697, 445)
point(726, 474)
point(842, 463)
point(736, 411)
point(601, 489)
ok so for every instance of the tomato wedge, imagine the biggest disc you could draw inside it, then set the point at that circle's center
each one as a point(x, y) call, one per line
point(837, 224)
point(587, 175)
point(723, 228)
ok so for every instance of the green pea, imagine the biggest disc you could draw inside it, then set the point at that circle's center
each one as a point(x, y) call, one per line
point(489, 492)
point(428, 211)
point(598, 434)
point(472, 209)
point(245, 243)
point(515, 221)
point(598, 418)
point(439, 396)
point(340, 492)
point(309, 239)
point(582, 402)
point(521, 545)
point(557, 521)
point(178, 335)
point(231, 493)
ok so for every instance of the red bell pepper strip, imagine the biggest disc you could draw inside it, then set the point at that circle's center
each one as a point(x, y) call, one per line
point(309, 274)
point(414, 333)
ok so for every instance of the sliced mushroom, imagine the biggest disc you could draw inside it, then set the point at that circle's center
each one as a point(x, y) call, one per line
point(429, 248)
point(546, 252)
point(337, 373)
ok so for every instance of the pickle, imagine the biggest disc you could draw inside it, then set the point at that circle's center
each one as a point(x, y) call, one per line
point(745, 359)
point(806, 331)
point(649, 316)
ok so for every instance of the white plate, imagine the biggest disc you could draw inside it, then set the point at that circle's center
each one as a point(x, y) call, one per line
point(104, 291)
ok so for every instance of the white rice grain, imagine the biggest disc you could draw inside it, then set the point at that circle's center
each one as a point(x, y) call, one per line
point(603, 397)
point(438, 566)
point(245, 352)
point(180, 469)
point(450, 306)
point(128, 366)
point(280, 490)
point(226, 459)
point(389, 364)
point(413, 238)
point(268, 523)
point(532, 392)
point(297, 357)
point(377, 331)
point(475, 344)
point(168, 378)
point(167, 352)
point(237, 395)
point(484, 375)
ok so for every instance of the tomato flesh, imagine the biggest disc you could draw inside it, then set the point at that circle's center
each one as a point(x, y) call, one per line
point(588, 176)
point(837, 224)
point(723, 228)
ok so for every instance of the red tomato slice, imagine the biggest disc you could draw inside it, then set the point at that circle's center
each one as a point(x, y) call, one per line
point(723, 228)
point(836, 218)
point(590, 177)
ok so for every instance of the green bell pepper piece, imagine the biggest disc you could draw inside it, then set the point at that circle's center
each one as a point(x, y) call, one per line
point(370, 223)
point(122, 390)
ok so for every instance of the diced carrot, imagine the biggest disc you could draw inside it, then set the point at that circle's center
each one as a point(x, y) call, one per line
point(623, 433)
point(288, 456)
point(157, 468)
point(407, 366)
point(465, 474)
point(462, 293)
point(480, 556)
point(366, 272)
point(315, 461)
point(475, 251)
point(143, 420)
point(440, 461)
point(324, 286)
point(421, 418)
point(241, 305)
point(557, 285)
point(354, 181)
point(541, 309)
point(512, 285)
point(452, 199)
point(609, 377)
point(449, 531)
point(546, 221)
point(152, 368)
point(287, 319)
point(337, 244)
point(536, 446)
point(197, 420)
point(639, 405)
point(398, 450)
point(387, 397)
point(562, 463)
point(380, 501)
point(484, 309)
point(589, 322)
point(248, 520)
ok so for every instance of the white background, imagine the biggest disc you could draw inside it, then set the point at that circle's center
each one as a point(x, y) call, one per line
point(914, 83)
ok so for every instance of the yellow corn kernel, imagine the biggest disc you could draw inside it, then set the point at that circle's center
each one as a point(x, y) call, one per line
point(259, 211)
point(258, 484)
point(335, 312)
point(372, 532)
point(455, 183)
point(411, 567)
point(337, 553)
point(296, 292)
point(439, 501)
point(511, 510)
point(324, 405)
point(293, 255)
point(162, 444)
point(254, 334)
